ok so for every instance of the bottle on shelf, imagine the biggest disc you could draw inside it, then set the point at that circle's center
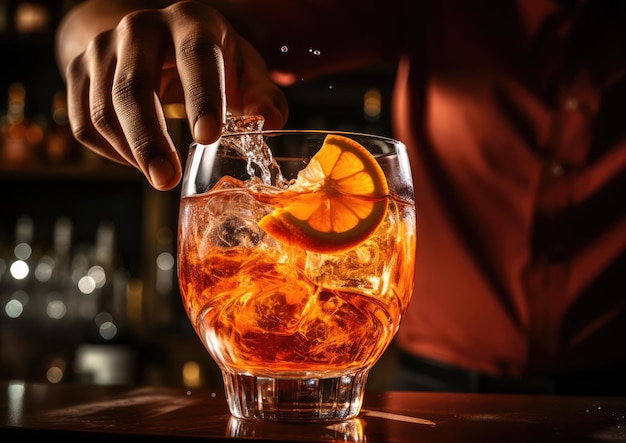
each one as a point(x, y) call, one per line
point(21, 139)
point(53, 276)
point(101, 287)
point(106, 356)
point(19, 286)
point(32, 17)
point(60, 145)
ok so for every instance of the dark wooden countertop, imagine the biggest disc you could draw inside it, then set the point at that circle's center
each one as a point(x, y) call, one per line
point(99, 413)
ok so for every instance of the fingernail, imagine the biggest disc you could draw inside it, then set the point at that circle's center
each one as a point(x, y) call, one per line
point(205, 130)
point(161, 172)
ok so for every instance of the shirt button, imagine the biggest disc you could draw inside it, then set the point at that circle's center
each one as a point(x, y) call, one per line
point(571, 104)
point(557, 169)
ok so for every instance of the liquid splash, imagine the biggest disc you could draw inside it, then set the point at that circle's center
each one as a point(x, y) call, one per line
point(243, 135)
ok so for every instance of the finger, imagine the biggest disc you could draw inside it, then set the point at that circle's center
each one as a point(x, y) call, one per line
point(78, 84)
point(102, 56)
point(135, 84)
point(200, 66)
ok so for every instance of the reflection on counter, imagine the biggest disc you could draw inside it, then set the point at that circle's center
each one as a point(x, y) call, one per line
point(104, 364)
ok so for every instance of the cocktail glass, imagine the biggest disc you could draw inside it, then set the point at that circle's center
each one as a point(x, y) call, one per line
point(295, 322)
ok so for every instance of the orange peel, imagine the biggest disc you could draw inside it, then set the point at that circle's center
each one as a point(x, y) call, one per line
point(336, 203)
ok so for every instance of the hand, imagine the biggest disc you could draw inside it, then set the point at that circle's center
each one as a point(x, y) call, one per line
point(185, 53)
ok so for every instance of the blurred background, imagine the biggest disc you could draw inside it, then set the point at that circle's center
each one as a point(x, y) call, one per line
point(88, 289)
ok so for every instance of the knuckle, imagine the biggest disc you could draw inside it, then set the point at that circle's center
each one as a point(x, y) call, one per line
point(99, 44)
point(186, 8)
point(194, 46)
point(83, 133)
point(102, 117)
point(127, 85)
point(74, 69)
point(132, 23)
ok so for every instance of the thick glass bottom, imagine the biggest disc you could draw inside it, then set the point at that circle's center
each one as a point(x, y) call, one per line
point(295, 399)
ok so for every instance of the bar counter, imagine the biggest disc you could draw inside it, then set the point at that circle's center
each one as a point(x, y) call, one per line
point(72, 412)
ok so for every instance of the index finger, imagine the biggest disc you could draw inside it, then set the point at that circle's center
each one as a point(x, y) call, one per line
point(134, 96)
point(200, 64)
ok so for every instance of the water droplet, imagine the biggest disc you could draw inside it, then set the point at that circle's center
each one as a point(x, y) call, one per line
point(284, 48)
point(317, 52)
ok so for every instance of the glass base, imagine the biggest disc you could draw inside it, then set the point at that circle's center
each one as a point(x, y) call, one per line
point(295, 399)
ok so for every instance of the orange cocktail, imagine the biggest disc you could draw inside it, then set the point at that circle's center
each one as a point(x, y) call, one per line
point(296, 278)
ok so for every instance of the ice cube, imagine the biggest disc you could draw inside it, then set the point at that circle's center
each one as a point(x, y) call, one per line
point(229, 221)
point(236, 231)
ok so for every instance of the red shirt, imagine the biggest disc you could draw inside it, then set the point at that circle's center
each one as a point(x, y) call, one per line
point(513, 112)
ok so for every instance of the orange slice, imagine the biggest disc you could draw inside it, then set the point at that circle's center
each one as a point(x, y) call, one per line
point(337, 201)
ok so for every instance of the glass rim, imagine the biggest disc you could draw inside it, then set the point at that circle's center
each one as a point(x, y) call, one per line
point(271, 132)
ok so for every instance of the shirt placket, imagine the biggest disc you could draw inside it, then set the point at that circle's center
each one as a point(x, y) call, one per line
point(564, 155)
